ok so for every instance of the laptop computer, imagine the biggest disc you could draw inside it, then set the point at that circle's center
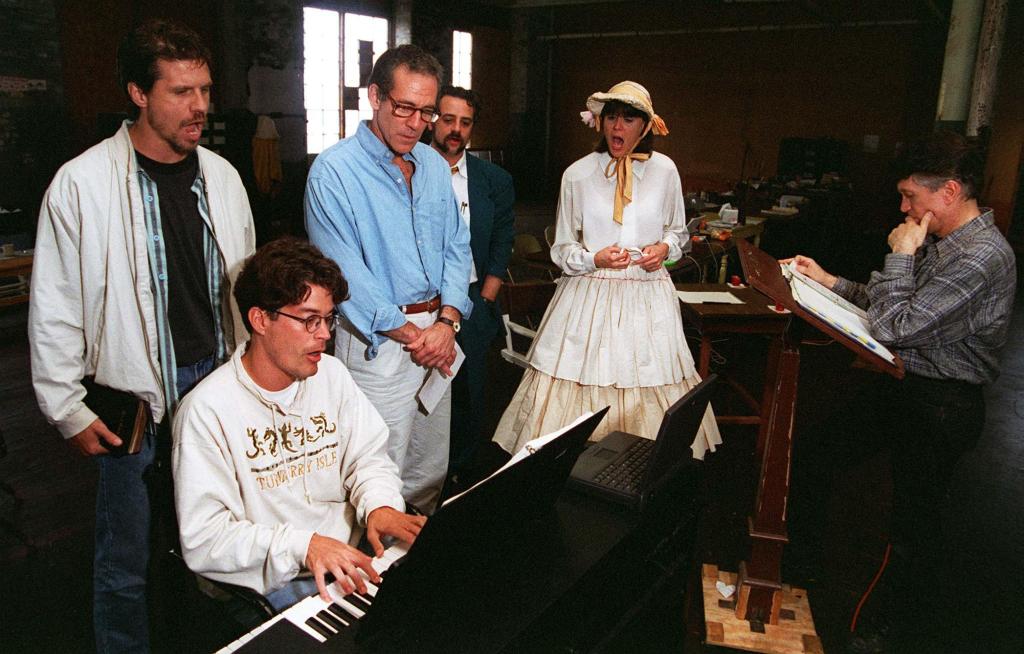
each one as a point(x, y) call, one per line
point(693, 226)
point(625, 468)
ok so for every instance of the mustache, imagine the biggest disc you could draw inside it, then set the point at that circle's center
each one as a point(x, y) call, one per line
point(197, 119)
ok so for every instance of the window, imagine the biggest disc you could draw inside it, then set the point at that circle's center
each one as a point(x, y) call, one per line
point(339, 51)
point(462, 59)
point(321, 49)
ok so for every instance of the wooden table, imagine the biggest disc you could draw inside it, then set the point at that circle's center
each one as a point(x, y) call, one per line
point(16, 266)
point(754, 316)
point(718, 251)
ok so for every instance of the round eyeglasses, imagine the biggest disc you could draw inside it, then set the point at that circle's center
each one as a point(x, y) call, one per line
point(403, 110)
point(312, 323)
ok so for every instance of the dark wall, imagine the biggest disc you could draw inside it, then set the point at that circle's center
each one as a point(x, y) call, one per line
point(90, 31)
point(729, 99)
point(1004, 175)
point(433, 23)
point(32, 120)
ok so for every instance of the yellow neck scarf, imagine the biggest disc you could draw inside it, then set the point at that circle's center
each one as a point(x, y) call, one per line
point(622, 168)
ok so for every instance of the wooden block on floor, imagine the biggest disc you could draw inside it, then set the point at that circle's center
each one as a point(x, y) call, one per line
point(794, 634)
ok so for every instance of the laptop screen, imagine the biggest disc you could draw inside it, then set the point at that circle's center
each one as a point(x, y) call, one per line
point(678, 429)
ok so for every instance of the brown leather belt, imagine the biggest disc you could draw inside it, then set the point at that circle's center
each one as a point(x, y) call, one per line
point(422, 307)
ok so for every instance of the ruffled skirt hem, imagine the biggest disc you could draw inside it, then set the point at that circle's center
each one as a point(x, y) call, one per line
point(543, 404)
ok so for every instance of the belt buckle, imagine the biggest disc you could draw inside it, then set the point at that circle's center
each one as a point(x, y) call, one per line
point(403, 308)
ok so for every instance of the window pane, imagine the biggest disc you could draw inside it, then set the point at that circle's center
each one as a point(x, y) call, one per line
point(321, 76)
point(362, 28)
point(462, 59)
point(351, 121)
point(330, 59)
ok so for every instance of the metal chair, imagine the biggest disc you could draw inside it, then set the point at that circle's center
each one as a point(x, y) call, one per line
point(525, 301)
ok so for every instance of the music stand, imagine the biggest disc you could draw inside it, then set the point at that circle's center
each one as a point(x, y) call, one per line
point(759, 588)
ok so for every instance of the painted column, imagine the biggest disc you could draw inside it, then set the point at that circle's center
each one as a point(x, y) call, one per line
point(958, 66)
point(986, 65)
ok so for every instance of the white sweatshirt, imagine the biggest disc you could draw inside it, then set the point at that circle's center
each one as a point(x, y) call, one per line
point(254, 480)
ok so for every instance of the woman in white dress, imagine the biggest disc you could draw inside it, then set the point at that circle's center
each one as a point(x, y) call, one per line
point(613, 334)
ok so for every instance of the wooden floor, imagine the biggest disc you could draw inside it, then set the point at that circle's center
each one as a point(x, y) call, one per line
point(47, 496)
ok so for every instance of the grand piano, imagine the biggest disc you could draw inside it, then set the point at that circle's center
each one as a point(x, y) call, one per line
point(565, 578)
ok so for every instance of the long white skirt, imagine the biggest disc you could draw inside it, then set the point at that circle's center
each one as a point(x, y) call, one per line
point(608, 338)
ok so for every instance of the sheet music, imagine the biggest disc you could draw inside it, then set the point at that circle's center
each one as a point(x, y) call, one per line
point(436, 384)
point(708, 297)
point(526, 450)
point(833, 309)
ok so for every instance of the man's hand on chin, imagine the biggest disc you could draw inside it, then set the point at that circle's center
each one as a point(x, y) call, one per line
point(386, 521)
point(908, 237)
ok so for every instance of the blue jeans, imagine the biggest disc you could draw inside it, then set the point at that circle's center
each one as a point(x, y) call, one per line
point(120, 615)
point(294, 591)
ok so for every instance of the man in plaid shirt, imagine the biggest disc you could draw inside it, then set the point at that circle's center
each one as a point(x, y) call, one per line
point(943, 302)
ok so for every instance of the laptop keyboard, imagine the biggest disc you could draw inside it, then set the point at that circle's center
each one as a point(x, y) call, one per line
point(626, 472)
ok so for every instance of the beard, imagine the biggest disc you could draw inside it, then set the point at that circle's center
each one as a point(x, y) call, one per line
point(450, 147)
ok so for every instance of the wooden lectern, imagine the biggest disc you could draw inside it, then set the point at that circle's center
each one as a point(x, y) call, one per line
point(759, 587)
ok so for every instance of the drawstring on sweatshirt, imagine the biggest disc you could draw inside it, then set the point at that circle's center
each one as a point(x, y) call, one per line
point(274, 408)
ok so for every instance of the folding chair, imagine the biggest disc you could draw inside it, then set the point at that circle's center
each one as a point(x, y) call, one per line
point(525, 301)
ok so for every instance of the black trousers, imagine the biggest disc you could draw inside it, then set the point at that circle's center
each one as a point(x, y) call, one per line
point(936, 422)
point(927, 425)
point(469, 388)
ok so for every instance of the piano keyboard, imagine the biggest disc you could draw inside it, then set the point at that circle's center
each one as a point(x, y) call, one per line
point(322, 620)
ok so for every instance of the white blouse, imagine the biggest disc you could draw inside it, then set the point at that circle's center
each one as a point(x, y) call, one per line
point(584, 223)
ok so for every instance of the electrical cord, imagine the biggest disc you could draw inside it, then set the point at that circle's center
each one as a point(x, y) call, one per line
point(818, 342)
point(871, 587)
point(700, 270)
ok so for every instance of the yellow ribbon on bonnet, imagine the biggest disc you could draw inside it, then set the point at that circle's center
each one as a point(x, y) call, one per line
point(623, 168)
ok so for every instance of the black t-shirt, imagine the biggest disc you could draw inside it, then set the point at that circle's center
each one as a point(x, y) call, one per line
point(188, 301)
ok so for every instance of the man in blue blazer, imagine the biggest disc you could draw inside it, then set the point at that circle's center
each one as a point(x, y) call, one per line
point(485, 195)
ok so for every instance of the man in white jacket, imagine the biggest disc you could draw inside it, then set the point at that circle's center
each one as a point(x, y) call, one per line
point(278, 457)
point(138, 242)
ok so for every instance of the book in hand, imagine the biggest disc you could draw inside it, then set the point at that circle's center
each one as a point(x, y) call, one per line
point(834, 309)
point(123, 413)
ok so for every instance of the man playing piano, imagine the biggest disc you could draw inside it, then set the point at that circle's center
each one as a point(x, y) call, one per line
point(278, 457)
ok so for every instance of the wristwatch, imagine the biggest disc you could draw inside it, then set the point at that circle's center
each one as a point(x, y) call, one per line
point(456, 326)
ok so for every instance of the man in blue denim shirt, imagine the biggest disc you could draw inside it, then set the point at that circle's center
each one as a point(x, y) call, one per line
point(381, 204)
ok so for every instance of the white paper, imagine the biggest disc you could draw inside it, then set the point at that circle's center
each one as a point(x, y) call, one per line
point(436, 384)
point(526, 450)
point(709, 297)
point(634, 253)
point(728, 215)
point(724, 589)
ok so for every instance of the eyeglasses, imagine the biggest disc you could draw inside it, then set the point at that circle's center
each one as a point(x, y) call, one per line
point(312, 323)
point(403, 110)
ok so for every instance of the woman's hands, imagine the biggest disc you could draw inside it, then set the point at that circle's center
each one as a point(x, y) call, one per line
point(654, 256)
point(612, 257)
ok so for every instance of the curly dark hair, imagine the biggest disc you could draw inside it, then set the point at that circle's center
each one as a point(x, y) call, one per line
point(413, 57)
point(943, 156)
point(151, 41)
point(471, 97)
point(614, 108)
point(281, 273)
